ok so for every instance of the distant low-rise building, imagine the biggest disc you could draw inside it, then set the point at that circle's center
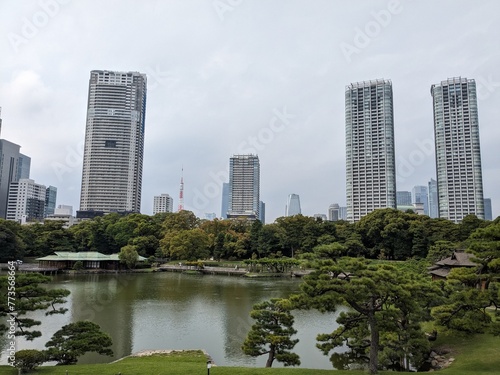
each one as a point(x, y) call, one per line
point(163, 203)
point(26, 201)
point(63, 213)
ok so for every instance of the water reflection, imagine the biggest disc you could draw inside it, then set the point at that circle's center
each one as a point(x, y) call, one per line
point(177, 311)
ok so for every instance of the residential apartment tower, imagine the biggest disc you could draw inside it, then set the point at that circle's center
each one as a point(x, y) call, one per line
point(370, 159)
point(114, 142)
point(458, 154)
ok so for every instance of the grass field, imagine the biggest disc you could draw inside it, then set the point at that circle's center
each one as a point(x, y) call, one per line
point(474, 355)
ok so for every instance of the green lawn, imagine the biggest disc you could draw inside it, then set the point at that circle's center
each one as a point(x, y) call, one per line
point(474, 355)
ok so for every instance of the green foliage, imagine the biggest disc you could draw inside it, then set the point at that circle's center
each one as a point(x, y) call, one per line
point(128, 256)
point(12, 247)
point(78, 265)
point(386, 306)
point(28, 359)
point(76, 339)
point(189, 244)
point(484, 243)
point(30, 296)
point(465, 309)
point(271, 333)
point(440, 250)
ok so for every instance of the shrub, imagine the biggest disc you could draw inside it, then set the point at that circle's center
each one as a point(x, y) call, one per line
point(78, 265)
point(29, 359)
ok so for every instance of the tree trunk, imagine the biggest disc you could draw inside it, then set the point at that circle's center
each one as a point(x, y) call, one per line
point(270, 359)
point(374, 344)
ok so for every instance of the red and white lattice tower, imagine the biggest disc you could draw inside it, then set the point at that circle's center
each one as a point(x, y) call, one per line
point(181, 192)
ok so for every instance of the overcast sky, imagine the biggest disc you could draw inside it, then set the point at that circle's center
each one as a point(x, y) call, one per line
point(240, 76)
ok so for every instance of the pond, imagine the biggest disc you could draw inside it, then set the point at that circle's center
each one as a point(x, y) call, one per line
point(163, 310)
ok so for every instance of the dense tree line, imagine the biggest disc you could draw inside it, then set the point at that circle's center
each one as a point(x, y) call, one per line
point(384, 234)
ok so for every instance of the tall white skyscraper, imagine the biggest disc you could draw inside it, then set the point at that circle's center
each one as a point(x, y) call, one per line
point(244, 187)
point(162, 203)
point(370, 159)
point(114, 142)
point(293, 205)
point(458, 153)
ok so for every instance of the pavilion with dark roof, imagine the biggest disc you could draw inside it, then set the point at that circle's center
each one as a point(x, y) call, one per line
point(442, 268)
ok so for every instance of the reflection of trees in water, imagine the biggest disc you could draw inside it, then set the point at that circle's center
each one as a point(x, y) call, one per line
point(106, 300)
point(239, 301)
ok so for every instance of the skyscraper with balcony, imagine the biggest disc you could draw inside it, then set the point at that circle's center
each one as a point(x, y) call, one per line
point(293, 205)
point(458, 153)
point(244, 187)
point(114, 142)
point(370, 159)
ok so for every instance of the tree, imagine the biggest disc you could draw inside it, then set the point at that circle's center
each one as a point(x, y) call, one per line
point(74, 340)
point(271, 333)
point(186, 244)
point(30, 296)
point(440, 250)
point(291, 233)
point(484, 243)
point(28, 359)
point(11, 244)
point(385, 304)
point(128, 255)
point(465, 307)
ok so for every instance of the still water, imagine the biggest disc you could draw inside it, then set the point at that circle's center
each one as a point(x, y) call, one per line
point(153, 311)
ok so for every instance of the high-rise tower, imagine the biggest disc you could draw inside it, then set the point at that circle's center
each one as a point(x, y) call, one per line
point(458, 154)
point(370, 160)
point(244, 187)
point(293, 205)
point(114, 142)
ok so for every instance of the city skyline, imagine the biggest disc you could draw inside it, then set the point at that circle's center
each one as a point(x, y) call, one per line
point(265, 78)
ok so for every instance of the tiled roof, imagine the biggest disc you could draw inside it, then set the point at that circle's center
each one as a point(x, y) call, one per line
point(458, 259)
